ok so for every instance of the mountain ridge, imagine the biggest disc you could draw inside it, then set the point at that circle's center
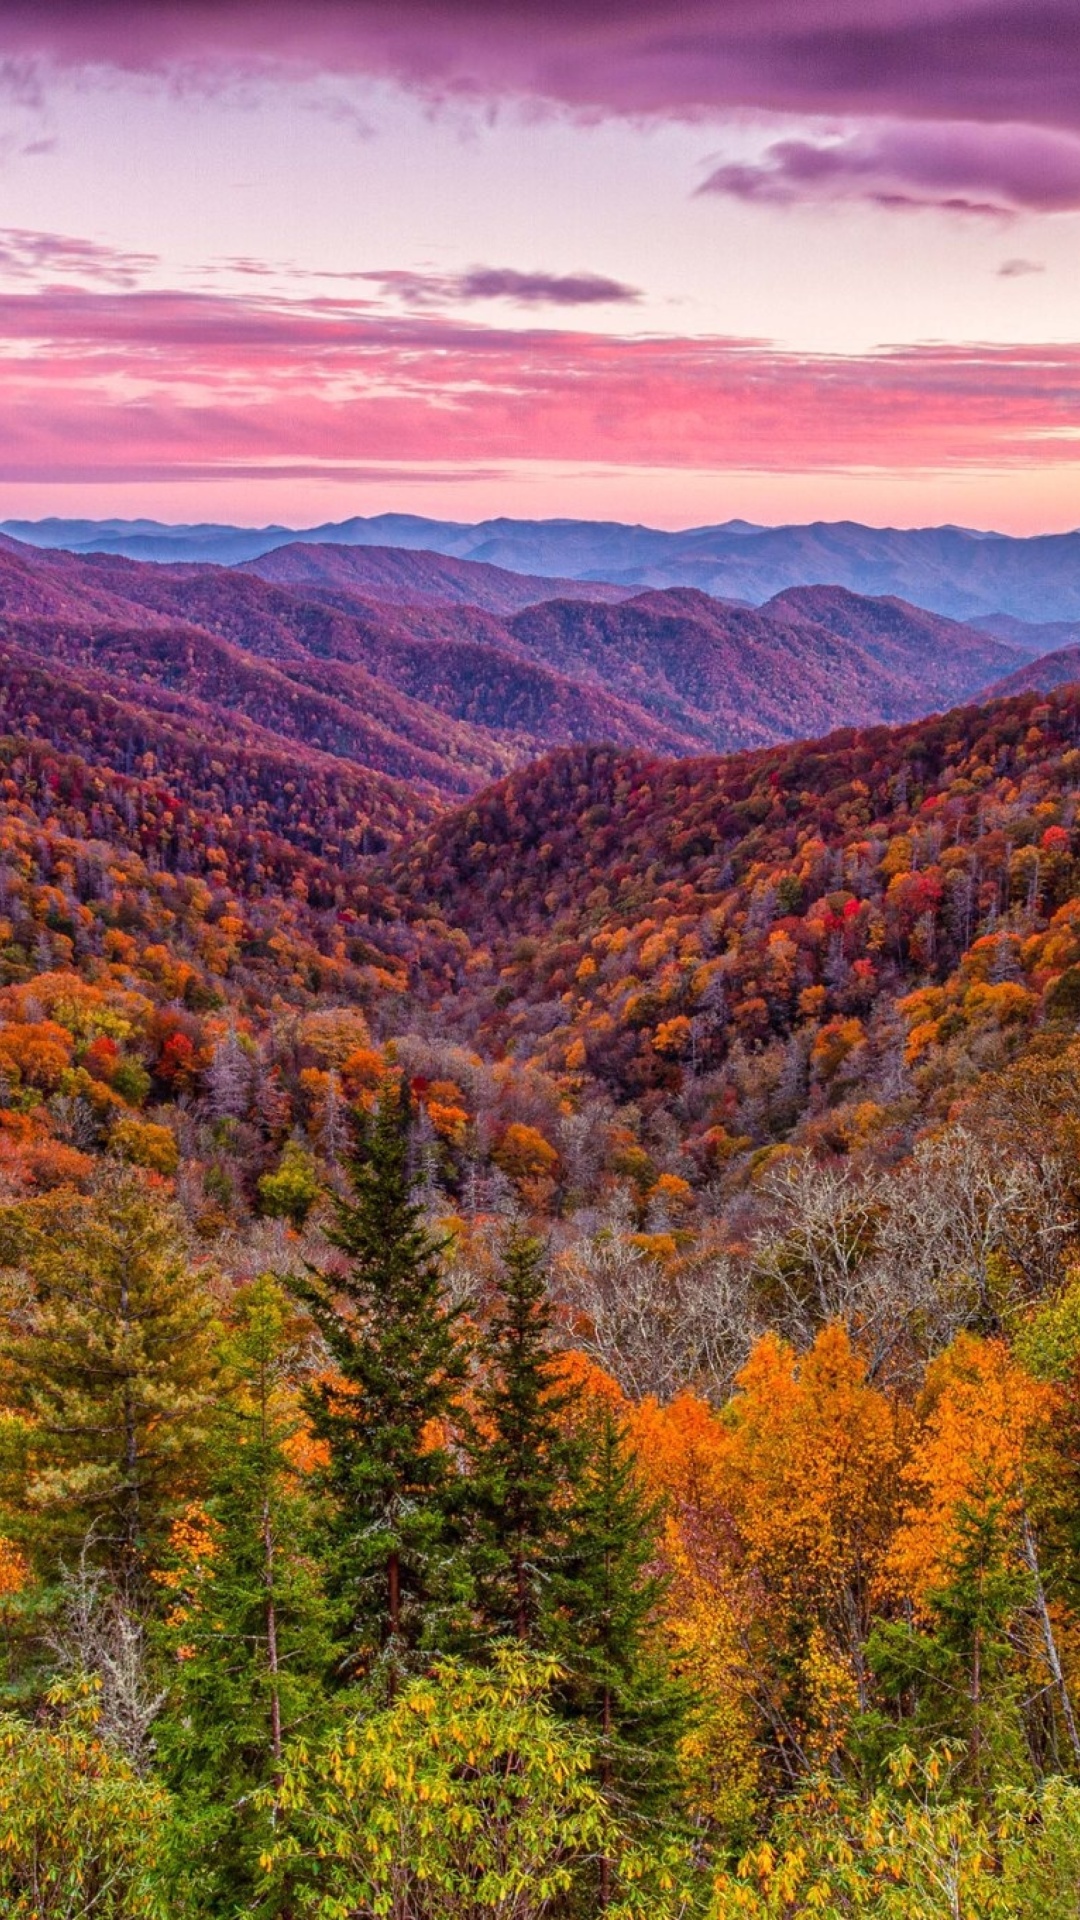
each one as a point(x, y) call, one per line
point(405, 576)
point(1049, 670)
point(960, 572)
point(448, 696)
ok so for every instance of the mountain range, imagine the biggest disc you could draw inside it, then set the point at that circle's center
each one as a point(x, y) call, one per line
point(556, 849)
point(955, 571)
point(404, 680)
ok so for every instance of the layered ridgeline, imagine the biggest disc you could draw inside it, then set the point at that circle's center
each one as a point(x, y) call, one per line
point(657, 1451)
point(954, 570)
point(447, 693)
point(825, 941)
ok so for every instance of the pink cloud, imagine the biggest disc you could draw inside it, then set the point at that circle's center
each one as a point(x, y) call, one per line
point(963, 167)
point(178, 384)
point(955, 59)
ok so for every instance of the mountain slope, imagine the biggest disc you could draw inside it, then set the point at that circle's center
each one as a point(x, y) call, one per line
point(945, 658)
point(330, 708)
point(397, 576)
point(230, 767)
point(440, 696)
point(734, 676)
point(831, 932)
point(449, 696)
point(946, 569)
point(1056, 669)
point(656, 826)
point(1029, 637)
point(662, 965)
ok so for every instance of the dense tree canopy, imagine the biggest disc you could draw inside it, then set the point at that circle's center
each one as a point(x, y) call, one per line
point(592, 1274)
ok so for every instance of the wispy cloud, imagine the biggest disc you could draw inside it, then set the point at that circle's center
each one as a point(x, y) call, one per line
point(28, 255)
point(416, 288)
point(1019, 269)
point(184, 384)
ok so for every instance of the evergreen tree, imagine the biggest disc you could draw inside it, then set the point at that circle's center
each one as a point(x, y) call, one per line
point(247, 1621)
point(605, 1599)
point(527, 1456)
point(958, 1680)
point(567, 1543)
point(397, 1564)
point(109, 1358)
point(974, 1614)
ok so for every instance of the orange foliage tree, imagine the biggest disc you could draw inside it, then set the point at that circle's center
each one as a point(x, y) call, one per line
point(781, 1515)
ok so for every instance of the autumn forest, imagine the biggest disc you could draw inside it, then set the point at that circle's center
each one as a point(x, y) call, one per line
point(539, 1280)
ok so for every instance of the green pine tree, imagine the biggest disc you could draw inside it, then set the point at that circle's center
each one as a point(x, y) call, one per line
point(957, 1680)
point(567, 1545)
point(604, 1604)
point(974, 1614)
point(527, 1456)
point(247, 1625)
point(397, 1562)
point(108, 1354)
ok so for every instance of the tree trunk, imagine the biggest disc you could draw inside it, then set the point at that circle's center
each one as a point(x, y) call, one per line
point(521, 1590)
point(1053, 1659)
point(272, 1662)
point(393, 1604)
point(605, 1782)
point(976, 1705)
point(271, 1637)
point(393, 1593)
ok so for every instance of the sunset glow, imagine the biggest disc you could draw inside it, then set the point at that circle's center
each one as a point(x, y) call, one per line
point(764, 259)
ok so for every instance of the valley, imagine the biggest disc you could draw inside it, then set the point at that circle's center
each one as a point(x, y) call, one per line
point(404, 999)
point(446, 674)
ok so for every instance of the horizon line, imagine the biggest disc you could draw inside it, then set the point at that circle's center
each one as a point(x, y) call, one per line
point(546, 520)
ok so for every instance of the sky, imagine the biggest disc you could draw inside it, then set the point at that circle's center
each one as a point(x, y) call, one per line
point(624, 259)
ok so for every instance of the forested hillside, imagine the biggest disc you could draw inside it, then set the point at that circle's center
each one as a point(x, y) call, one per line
point(400, 576)
point(1056, 669)
point(539, 1325)
point(331, 657)
point(700, 910)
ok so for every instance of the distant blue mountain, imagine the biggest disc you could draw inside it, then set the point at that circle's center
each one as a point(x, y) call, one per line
point(951, 570)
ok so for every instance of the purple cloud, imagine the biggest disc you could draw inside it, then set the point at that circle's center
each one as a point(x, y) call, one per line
point(972, 106)
point(1018, 269)
point(506, 283)
point(961, 166)
point(979, 60)
point(28, 255)
point(543, 289)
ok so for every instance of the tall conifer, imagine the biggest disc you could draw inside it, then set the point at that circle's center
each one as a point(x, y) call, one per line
point(527, 1454)
point(397, 1568)
point(246, 1621)
point(605, 1600)
point(567, 1547)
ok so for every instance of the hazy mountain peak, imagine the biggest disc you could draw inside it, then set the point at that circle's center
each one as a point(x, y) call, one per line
point(962, 572)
